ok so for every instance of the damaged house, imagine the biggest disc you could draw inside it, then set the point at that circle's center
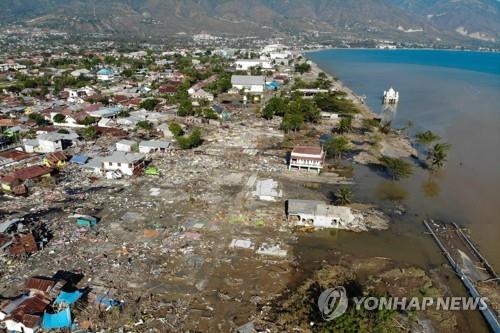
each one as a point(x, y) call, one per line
point(25, 312)
point(318, 214)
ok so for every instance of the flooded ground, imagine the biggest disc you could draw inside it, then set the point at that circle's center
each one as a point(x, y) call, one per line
point(462, 107)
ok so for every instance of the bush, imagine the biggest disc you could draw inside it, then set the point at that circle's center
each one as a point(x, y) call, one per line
point(144, 124)
point(149, 104)
point(176, 129)
point(191, 141)
point(59, 118)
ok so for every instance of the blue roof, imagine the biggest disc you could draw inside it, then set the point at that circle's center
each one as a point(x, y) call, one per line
point(105, 71)
point(57, 320)
point(68, 298)
point(79, 159)
point(105, 300)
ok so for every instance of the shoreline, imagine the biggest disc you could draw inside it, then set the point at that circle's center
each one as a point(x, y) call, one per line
point(396, 49)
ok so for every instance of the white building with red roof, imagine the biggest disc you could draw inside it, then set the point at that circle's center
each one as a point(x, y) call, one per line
point(307, 157)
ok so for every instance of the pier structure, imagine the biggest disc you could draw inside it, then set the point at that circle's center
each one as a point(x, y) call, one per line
point(471, 267)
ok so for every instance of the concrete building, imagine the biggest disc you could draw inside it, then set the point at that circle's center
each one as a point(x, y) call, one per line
point(246, 64)
point(318, 214)
point(391, 96)
point(105, 74)
point(307, 157)
point(125, 145)
point(148, 147)
point(249, 83)
point(126, 163)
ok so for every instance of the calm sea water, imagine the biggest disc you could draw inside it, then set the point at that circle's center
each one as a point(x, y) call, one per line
point(455, 94)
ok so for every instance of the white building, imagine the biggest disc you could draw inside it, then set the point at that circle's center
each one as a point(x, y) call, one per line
point(152, 146)
point(125, 145)
point(307, 157)
point(11, 66)
point(246, 64)
point(201, 94)
point(249, 83)
point(45, 143)
point(321, 215)
point(126, 163)
point(391, 96)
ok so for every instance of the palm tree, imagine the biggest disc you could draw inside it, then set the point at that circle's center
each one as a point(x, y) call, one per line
point(345, 125)
point(438, 155)
point(427, 138)
point(396, 167)
point(343, 196)
point(337, 147)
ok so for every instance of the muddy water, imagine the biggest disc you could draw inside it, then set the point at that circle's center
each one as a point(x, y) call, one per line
point(453, 98)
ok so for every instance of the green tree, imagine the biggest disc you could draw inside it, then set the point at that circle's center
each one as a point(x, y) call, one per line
point(292, 122)
point(59, 118)
point(176, 129)
point(38, 118)
point(276, 106)
point(397, 168)
point(89, 120)
point(145, 124)
point(89, 132)
point(427, 138)
point(438, 155)
point(185, 108)
point(149, 104)
point(190, 141)
point(345, 125)
point(343, 196)
point(337, 146)
point(305, 107)
point(302, 68)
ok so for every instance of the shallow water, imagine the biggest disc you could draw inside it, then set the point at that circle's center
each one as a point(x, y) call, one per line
point(455, 94)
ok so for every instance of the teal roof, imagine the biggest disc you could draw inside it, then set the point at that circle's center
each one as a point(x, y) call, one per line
point(105, 71)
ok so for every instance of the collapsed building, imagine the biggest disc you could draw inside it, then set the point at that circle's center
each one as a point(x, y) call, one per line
point(318, 214)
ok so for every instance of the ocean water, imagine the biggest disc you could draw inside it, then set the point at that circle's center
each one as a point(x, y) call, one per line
point(455, 94)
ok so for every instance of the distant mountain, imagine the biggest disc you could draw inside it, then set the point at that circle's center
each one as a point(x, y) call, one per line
point(397, 19)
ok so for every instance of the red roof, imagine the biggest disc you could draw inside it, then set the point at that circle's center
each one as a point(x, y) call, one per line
point(15, 155)
point(23, 174)
point(55, 157)
point(23, 244)
point(167, 89)
point(38, 283)
point(309, 150)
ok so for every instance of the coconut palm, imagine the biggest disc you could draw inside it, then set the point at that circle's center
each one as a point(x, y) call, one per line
point(427, 138)
point(396, 167)
point(343, 196)
point(438, 155)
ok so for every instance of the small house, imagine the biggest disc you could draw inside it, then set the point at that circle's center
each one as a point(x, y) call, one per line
point(125, 145)
point(147, 147)
point(55, 160)
point(126, 163)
